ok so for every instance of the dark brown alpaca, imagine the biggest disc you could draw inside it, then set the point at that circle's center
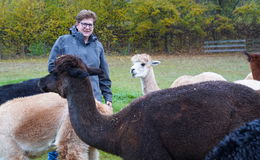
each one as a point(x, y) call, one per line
point(254, 60)
point(182, 123)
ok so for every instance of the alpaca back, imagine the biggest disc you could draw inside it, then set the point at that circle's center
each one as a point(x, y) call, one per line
point(202, 77)
point(22, 89)
point(191, 119)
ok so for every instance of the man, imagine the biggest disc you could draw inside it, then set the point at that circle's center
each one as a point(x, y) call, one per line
point(82, 43)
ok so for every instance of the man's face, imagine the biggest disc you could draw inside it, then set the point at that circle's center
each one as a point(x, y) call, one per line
point(86, 27)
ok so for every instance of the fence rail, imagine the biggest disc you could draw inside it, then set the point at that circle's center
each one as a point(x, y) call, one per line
point(253, 45)
point(225, 46)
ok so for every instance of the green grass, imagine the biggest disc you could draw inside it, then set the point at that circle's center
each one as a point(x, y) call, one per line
point(124, 87)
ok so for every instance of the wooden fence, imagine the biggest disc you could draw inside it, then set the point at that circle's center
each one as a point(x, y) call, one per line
point(253, 46)
point(225, 46)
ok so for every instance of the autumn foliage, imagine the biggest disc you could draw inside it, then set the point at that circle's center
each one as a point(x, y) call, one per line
point(30, 27)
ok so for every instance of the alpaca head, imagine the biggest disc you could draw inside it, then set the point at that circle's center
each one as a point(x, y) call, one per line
point(255, 58)
point(66, 66)
point(252, 57)
point(142, 63)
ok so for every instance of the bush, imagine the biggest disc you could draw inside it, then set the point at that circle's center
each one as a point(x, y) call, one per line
point(38, 49)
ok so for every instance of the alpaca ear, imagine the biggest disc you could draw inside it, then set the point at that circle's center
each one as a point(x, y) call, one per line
point(78, 73)
point(94, 71)
point(154, 63)
point(249, 58)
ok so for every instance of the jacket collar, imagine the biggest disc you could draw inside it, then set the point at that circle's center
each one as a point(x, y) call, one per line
point(79, 36)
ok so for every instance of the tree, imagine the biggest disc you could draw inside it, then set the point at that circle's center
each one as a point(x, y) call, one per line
point(247, 20)
point(21, 23)
point(112, 21)
point(157, 22)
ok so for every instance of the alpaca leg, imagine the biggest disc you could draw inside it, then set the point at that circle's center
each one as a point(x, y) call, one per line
point(9, 150)
point(93, 153)
point(73, 148)
point(69, 146)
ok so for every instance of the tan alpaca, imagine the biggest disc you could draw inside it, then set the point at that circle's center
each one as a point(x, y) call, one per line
point(33, 125)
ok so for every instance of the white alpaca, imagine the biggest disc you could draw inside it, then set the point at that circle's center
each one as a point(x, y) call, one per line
point(143, 68)
point(209, 76)
point(33, 125)
point(254, 84)
point(249, 76)
point(202, 77)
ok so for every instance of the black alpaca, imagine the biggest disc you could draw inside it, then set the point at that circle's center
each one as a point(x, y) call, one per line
point(25, 88)
point(182, 123)
point(243, 143)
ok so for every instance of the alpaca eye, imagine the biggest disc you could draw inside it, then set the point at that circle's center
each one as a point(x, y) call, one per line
point(142, 64)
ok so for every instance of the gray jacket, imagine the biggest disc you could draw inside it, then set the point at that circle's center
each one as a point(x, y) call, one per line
point(91, 53)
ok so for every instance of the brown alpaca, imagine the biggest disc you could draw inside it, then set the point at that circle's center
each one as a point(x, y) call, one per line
point(254, 60)
point(31, 125)
point(177, 123)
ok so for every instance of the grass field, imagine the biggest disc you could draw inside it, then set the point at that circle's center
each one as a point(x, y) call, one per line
point(124, 87)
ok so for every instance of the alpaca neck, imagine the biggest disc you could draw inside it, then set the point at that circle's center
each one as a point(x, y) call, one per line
point(92, 127)
point(149, 83)
point(255, 67)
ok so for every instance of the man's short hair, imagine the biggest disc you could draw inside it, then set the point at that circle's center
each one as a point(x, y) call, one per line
point(86, 14)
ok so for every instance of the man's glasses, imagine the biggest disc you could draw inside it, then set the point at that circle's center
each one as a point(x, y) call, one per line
point(86, 24)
